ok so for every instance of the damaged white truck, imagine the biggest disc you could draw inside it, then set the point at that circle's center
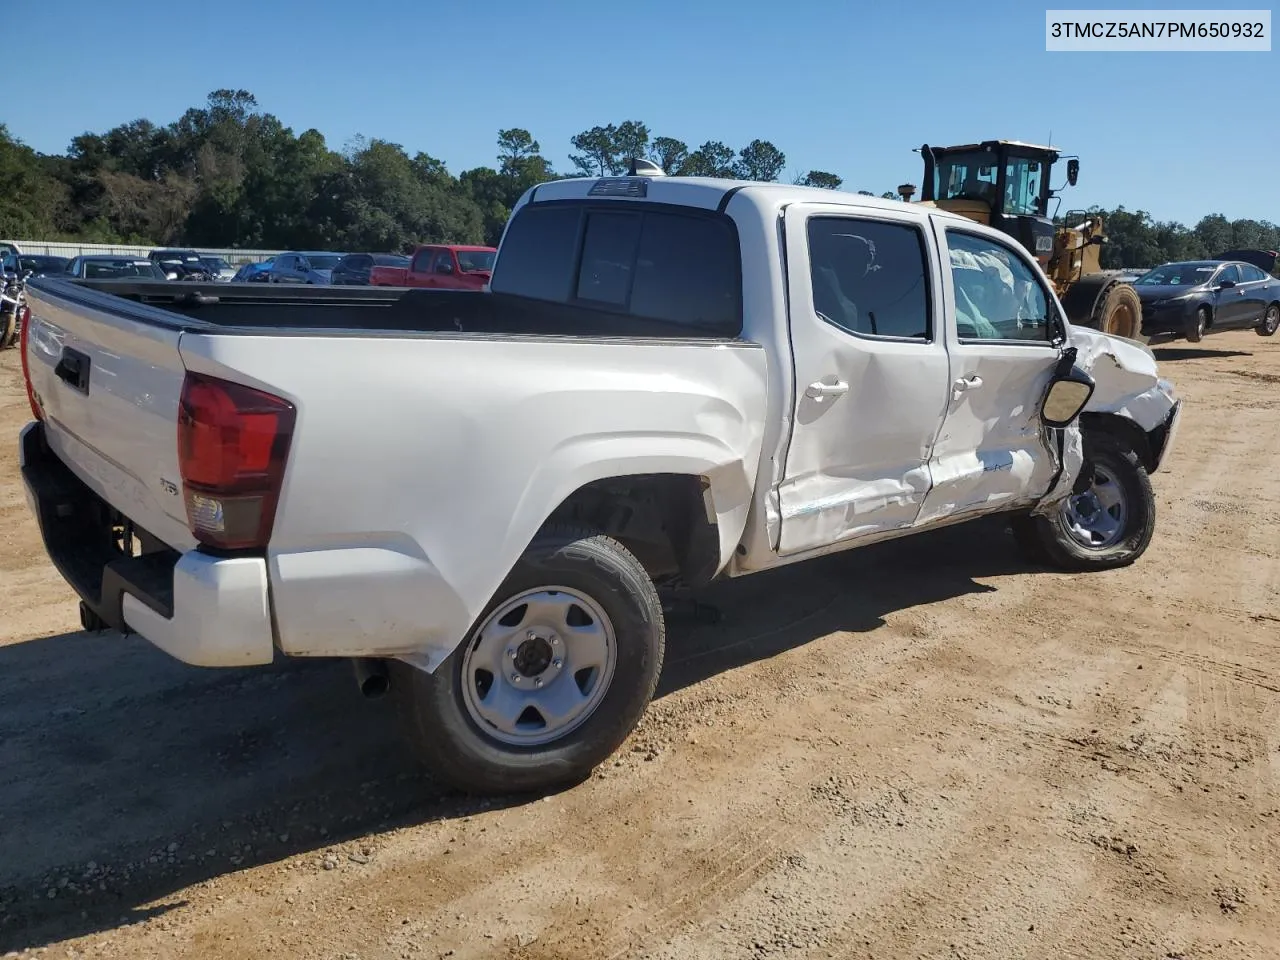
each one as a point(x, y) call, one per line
point(478, 494)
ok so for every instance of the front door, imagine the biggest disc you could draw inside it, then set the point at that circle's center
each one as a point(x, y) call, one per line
point(1232, 304)
point(871, 373)
point(992, 452)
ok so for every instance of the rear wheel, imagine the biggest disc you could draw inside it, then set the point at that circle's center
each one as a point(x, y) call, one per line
point(554, 676)
point(1108, 523)
point(1270, 322)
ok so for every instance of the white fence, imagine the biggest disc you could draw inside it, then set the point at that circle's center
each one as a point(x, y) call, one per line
point(51, 248)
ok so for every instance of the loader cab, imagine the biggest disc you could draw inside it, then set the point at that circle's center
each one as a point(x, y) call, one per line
point(1002, 183)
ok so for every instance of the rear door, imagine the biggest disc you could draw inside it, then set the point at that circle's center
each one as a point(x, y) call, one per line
point(109, 386)
point(871, 370)
point(1232, 305)
point(1256, 286)
point(992, 453)
point(420, 270)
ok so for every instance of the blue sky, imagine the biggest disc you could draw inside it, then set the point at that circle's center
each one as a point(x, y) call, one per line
point(849, 87)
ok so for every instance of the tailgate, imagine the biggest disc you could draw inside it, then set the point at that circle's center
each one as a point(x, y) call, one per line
point(108, 375)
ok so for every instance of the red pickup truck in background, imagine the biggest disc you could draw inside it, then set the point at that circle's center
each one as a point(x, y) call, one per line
point(450, 266)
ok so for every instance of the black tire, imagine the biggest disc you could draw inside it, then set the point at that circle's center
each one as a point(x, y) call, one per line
point(1270, 321)
point(447, 738)
point(1121, 313)
point(8, 329)
point(1198, 325)
point(1063, 550)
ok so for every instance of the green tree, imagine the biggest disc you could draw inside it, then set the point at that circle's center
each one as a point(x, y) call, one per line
point(760, 160)
point(820, 178)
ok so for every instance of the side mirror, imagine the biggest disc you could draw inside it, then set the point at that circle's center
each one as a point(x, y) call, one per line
point(1226, 284)
point(1067, 394)
point(170, 275)
point(1073, 171)
point(445, 268)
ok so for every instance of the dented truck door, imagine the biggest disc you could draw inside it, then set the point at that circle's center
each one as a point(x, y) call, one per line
point(871, 373)
point(992, 452)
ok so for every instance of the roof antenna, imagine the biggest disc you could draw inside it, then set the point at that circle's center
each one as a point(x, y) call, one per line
point(644, 168)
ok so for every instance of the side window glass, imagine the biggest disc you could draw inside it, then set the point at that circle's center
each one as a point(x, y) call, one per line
point(1251, 274)
point(1229, 272)
point(444, 262)
point(870, 277)
point(997, 295)
point(422, 262)
point(537, 253)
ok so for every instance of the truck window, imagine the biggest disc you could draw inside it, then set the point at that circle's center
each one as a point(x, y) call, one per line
point(870, 277)
point(422, 261)
point(997, 295)
point(673, 267)
point(444, 262)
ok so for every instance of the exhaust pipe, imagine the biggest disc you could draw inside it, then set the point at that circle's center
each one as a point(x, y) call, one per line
point(372, 676)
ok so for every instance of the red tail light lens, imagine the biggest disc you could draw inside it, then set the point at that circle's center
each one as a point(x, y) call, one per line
point(233, 442)
point(24, 319)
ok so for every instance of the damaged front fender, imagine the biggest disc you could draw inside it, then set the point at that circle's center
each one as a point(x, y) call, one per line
point(1130, 388)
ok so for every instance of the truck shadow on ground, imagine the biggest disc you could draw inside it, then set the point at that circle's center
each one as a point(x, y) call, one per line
point(1195, 353)
point(130, 776)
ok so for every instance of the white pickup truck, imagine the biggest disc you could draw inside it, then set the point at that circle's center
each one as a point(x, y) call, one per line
point(477, 494)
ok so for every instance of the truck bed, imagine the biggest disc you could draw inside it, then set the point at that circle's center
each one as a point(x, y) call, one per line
point(249, 307)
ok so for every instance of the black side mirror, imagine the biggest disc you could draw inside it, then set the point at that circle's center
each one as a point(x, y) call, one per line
point(1073, 171)
point(1226, 284)
point(1069, 390)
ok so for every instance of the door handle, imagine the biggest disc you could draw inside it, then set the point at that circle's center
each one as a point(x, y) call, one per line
point(818, 390)
point(967, 383)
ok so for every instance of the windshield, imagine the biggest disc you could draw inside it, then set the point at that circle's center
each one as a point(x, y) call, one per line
point(470, 260)
point(1177, 275)
point(972, 175)
point(41, 264)
point(111, 269)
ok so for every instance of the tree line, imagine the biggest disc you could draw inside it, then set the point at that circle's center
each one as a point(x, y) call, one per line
point(228, 174)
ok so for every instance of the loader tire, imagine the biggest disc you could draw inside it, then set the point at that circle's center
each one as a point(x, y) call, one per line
point(1120, 313)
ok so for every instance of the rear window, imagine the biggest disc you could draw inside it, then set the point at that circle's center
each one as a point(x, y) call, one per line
point(673, 267)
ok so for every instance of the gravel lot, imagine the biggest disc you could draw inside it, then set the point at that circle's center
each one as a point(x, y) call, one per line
point(922, 749)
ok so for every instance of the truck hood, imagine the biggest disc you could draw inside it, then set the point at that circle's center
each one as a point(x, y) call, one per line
point(1127, 376)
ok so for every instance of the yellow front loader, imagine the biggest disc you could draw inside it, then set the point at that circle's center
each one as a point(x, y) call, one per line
point(1005, 183)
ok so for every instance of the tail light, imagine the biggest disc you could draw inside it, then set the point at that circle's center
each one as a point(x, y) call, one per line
point(24, 319)
point(233, 442)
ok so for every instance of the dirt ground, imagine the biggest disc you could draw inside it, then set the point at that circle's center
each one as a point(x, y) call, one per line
point(924, 749)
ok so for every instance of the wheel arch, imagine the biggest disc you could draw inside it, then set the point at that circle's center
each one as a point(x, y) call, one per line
point(1124, 430)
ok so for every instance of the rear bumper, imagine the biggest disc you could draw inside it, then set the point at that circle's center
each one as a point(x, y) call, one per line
point(202, 609)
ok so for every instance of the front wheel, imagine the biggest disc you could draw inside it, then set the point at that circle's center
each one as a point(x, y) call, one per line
point(1198, 325)
point(1108, 524)
point(1270, 322)
point(553, 677)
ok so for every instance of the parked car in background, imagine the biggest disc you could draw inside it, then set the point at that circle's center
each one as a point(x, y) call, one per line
point(309, 266)
point(354, 268)
point(218, 268)
point(105, 266)
point(186, 264)
point(40, 265)
point(254, 272)
point(443, 266)
point(7, 247)
point(1192, 297)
